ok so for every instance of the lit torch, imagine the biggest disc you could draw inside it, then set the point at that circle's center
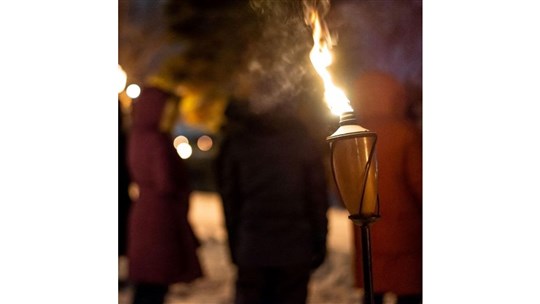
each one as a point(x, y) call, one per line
point(353, 158)
point(321, 57)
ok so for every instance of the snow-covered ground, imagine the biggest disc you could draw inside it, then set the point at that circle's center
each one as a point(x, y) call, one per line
point(331, 283)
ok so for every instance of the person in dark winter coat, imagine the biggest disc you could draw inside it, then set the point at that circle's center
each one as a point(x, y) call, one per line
point(273, 187)
point(161, 243)
point(397, 237)
point(124, 201)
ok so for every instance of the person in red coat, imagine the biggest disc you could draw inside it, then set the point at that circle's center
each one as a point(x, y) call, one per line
point(161, 243)
point(380, 104)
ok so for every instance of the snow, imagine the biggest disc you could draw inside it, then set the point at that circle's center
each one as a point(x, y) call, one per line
point(331, 283)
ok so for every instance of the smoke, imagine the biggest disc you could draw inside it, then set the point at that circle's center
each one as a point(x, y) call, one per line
point(278, 59)
point(379, 35)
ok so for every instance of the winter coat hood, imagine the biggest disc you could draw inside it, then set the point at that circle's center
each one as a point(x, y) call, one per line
point(148, 108)
point(379, 96)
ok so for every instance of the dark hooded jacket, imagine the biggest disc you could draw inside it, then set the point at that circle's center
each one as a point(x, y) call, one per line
point(161, 244)
point(272, 182)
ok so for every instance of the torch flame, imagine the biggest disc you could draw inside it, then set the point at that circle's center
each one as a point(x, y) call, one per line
point(321, 58)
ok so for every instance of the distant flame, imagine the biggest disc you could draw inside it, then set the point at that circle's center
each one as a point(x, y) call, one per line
point(321, 58)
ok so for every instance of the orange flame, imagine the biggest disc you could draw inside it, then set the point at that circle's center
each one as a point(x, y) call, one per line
point(321, 58)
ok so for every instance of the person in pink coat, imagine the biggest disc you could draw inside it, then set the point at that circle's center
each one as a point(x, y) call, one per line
point(161, 243)
point(380, 104)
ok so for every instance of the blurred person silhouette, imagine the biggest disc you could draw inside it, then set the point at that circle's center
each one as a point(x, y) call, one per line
point(161, 243)
point(273, 187)
point(380, 104)
point(124, 201)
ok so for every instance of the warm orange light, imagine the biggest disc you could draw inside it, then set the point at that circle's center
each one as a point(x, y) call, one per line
point(133, 191)
point(321, 58)
point(180, 139)
point(204, 143)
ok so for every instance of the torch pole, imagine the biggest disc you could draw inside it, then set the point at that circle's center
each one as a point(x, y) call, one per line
point(367, 272)
point(366, 264)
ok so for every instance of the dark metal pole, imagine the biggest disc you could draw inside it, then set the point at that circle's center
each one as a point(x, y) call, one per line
point(366, 264)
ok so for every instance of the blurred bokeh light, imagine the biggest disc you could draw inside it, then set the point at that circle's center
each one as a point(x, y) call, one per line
point(205, 143)
point(122, 79)
point(133, 90)
point(180, 139)
point(184, 150)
